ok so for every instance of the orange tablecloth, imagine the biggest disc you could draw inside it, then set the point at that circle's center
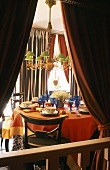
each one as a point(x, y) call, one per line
point(74, 128)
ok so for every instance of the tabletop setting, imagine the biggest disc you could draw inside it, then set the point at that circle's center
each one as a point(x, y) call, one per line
point(55, 104)
point(78, 124)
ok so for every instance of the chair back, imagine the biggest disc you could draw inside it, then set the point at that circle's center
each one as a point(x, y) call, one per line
point(55, 131)
point(17, 98)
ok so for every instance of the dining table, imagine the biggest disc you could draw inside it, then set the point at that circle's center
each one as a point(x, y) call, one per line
point(75, 127)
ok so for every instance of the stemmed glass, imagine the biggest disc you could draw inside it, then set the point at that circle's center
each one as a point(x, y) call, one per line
point(75, 99)
point(57, 103)
point(70, 103)
point(46, 97)
point(42, 100)
point(77, 102)
point(53, 101)
point(39, 102)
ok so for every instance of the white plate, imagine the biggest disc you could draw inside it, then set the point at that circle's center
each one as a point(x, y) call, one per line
point(26, 103)
point(35, 101)
point(81, 102)
point(84, 110)
point(55, 113)
point(23, 106)
point(26, 110)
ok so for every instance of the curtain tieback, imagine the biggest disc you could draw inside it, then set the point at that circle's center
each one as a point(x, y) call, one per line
point(103, 127)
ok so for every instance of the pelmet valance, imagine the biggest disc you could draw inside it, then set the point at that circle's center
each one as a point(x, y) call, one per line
point(99, 5)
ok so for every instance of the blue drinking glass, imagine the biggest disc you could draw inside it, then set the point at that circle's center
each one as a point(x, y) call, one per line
point(77, 102)
point(48, 97)
point(70, 103)
point(53, 101)
point(39, 102)
point(57, 103)
point(70, 100)
point(43, 99)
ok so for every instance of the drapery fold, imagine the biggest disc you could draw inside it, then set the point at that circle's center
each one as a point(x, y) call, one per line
point(15, 25)
point(88, 33)
point(63, 49)
point(35, 81)
point(52, 43)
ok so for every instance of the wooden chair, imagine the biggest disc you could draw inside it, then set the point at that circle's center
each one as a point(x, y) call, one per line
point(17, 98)
point(44, 138)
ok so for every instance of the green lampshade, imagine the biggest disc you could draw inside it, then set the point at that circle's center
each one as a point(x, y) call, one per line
point(38, 58)
point(29, 58)
point(45, 53)
point(29, 53)
point(67, 58)
point(61, 56)
point(61, 60)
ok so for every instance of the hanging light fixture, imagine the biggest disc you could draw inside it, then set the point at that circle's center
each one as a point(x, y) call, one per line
point(44, 61)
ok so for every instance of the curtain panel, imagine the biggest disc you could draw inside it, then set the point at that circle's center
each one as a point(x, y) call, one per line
point(63, 49)
point(88, 32)
point(52, 43)
point(34, 82)
point(15, 25)
point(69, 73)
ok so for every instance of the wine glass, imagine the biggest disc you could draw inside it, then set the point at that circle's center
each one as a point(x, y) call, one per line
point(39, 102)
point(53, 101)
point(77, 102)
point(42, 100)
point(70, 103)
point(46, 97)
point(57, 103)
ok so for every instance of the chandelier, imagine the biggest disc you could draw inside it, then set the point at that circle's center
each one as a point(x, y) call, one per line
point(44, 61)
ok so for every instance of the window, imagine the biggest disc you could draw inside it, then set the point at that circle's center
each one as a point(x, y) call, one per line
point(57, 79)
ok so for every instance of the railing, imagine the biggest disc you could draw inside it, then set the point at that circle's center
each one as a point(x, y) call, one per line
point(16, 160)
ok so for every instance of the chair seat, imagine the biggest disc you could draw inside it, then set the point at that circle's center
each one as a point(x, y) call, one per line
point(47, 141)
point(38, 142)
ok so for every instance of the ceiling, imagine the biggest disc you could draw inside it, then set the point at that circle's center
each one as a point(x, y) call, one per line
point(41, 17)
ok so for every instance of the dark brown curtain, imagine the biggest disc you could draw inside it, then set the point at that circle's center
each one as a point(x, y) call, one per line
point(63, 49)
point(88, 32)
point(16, 19)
